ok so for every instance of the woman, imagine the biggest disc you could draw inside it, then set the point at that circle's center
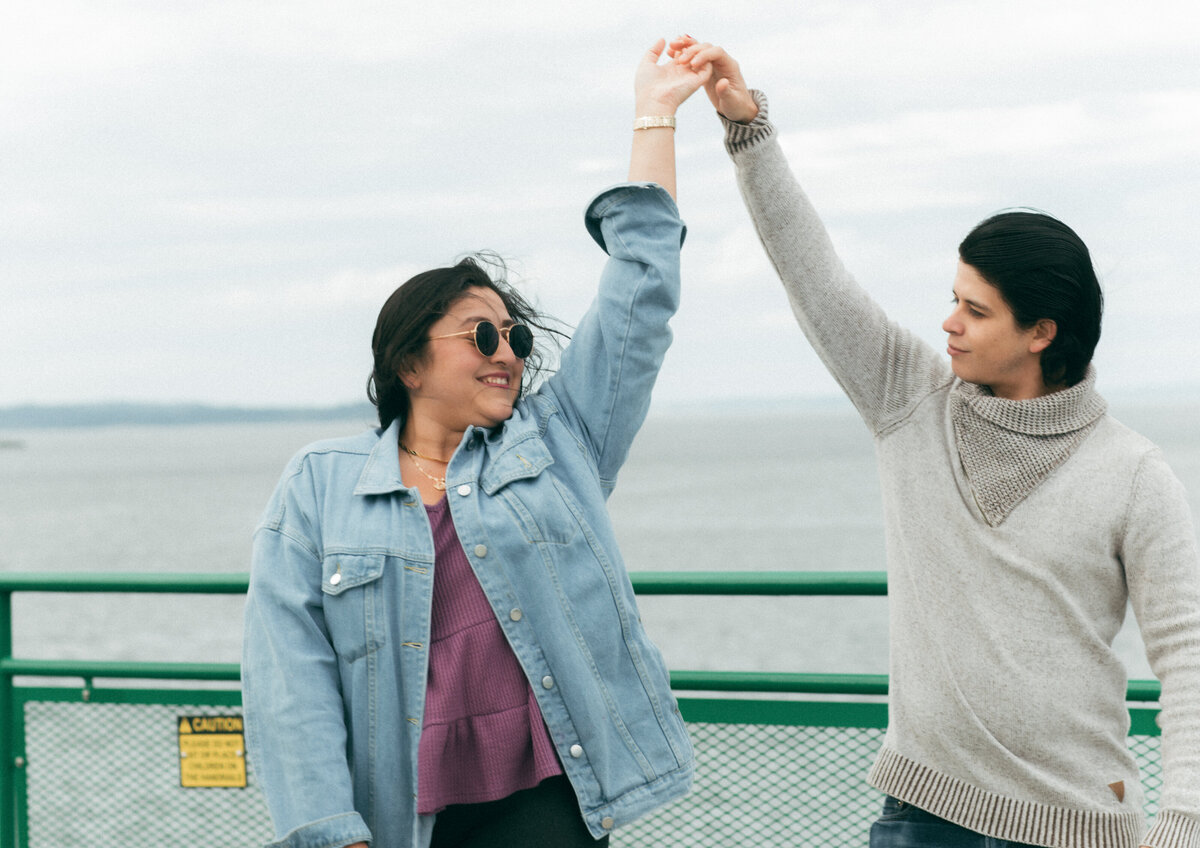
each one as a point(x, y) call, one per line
point(1020, 519)
point(442, 645)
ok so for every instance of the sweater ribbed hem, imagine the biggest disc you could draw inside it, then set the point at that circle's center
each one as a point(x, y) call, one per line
point(1000, 817)
point(1173, 830)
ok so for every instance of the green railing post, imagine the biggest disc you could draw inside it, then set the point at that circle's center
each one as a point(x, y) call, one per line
point(8, 782)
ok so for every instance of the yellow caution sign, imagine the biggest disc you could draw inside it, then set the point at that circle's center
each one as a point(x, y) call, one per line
point(212, 752)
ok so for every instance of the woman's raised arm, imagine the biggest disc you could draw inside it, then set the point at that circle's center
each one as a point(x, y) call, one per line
point(659, 89)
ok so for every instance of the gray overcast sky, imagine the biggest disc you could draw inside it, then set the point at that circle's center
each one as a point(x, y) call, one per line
point(210, 201)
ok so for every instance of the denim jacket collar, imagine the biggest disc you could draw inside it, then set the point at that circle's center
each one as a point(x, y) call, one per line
point(519, 453)
point(381, 474)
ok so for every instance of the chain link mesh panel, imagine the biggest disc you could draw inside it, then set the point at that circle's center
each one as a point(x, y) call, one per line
point(1146, 751)
point(769, 785)
point(775, 786)
point(108, 774)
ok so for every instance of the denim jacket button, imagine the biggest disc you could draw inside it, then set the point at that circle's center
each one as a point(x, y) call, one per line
point(481, 551)
point(335, 579)
point(607, 822)
point(576, 751)
point(548, 683)
point(464, 489)
point(515, 614)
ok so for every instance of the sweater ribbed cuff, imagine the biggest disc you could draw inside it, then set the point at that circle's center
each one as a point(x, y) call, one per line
point(740, 137)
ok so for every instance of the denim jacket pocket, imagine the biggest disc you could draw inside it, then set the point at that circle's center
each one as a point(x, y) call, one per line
point(526, 459)
point(544, 510)
point(354, 603)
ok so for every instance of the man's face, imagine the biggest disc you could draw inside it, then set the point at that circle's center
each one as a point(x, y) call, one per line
point(986, 344)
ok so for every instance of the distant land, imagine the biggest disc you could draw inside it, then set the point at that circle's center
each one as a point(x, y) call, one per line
point(131, 414)
point(37, 416)
point(124, 414)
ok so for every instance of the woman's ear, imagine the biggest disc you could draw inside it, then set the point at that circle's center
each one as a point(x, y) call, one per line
point(409, 374)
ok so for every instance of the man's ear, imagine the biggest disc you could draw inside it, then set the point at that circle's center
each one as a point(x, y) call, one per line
point(1044, 332)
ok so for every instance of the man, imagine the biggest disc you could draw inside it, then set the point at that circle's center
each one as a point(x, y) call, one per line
point(1020, 518)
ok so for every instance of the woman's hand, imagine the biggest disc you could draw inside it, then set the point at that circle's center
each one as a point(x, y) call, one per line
point(724, 84)
point(660, 89)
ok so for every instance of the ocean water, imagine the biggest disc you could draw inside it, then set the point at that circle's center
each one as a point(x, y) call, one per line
point(788, 487)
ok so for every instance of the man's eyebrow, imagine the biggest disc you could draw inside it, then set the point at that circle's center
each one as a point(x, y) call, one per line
point(974, 304)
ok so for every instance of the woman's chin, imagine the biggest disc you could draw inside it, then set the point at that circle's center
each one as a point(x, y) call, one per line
point(494, 415)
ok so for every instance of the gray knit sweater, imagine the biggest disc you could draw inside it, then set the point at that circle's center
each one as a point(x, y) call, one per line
point(1016, 532)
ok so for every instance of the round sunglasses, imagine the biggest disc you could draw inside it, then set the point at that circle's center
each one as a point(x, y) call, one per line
point(487, 335)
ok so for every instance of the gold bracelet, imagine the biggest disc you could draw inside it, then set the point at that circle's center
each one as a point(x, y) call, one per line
point(654, 121)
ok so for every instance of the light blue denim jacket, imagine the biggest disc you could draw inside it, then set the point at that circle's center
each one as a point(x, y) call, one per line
point(337, 617)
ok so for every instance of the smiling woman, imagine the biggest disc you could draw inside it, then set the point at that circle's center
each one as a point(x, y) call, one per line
point(442, 645)
point(472, 376)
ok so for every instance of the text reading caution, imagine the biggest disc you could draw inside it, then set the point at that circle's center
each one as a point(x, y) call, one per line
point(212, 751)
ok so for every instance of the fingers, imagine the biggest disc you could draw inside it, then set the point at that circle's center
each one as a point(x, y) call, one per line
point(655, 52)
point(721, 75)
point(679, 43)
point(686, 50)
point(684, 47)
point(706, 54)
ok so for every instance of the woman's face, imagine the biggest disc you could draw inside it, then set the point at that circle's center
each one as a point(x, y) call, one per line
point(456, 385)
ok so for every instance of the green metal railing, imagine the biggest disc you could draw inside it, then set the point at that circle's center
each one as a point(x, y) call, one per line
point(808, 753)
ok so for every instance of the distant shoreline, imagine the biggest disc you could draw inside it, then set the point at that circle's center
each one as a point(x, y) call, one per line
point(37, 417)
point(130, 414)
point(126, 414)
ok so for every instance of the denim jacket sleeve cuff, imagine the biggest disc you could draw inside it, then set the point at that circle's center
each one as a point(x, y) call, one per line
point(332, 832)
point(739, 137)
point(650, 197)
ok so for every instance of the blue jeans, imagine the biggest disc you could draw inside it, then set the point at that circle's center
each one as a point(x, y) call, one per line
point(905, 826)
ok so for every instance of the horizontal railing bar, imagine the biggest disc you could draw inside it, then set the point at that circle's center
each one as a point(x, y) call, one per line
point(690, 681)
point(832, 684)
point(644, 582)
point(1143, 690)
point(779, 681)
point(759, 582)
point(104, 668)
point(69, 581)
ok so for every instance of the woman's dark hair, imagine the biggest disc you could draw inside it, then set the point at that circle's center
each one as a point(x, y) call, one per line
point(402, 331)
point(1042, 270)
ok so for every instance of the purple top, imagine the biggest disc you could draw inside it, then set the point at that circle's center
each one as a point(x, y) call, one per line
point(483, 736)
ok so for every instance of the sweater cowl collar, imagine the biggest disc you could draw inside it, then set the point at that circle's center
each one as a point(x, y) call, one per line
point(1008, 447)
point(1049, 415)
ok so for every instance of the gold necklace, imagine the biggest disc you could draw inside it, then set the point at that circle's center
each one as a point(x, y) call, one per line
point(439, 483)
point(412, 452)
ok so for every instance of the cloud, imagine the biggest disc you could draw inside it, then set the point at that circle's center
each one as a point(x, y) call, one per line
point(196, 187)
